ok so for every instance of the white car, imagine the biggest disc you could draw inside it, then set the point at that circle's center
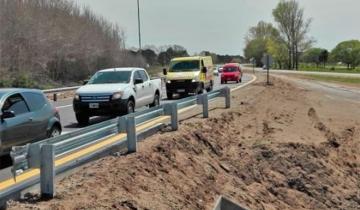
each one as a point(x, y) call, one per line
point(114, 92)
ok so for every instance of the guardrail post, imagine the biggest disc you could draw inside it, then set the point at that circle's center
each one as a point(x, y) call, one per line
point(47, 171)
point(203, 99)
point(55, 97)
point(131, 134)
point(226, 93)
point(122, 124)
point(171, 109)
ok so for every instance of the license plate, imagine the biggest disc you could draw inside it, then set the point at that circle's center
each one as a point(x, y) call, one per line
point(93, 105)
point(181, 91)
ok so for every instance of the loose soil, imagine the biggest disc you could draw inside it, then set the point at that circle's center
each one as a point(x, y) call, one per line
point(278, 147)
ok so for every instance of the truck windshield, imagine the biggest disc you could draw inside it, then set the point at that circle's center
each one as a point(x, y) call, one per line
point(230, 69)
point(181, 66)
point(111, 77)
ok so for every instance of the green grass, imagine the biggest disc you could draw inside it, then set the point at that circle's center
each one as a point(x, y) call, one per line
point(328, 68)
point(348, 80)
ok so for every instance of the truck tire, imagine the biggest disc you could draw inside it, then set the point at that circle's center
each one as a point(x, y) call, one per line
point(169, 95)
point(156, 101)
point(83, 119)
point(210, 88)
point(130, 106)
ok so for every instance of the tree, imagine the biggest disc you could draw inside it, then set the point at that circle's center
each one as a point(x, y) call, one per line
point(324, 56)
point(294, 28)
point(150, 56)
point(256, 49)
point(347, 52)
point(312, 56)
point(257, 40)
point(171, 52)
point(262, 31)
point(277, 49)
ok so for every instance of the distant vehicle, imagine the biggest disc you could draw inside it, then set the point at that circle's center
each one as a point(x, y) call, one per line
point(26, 116)
point(221, 69)
point(114, 92)
point(231, 72)
point(216, 71)
point(188, 75)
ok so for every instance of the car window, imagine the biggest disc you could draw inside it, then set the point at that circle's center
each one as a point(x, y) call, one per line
point(144, 76)
point(16, 104)
point(36, 101)
point(137, 75)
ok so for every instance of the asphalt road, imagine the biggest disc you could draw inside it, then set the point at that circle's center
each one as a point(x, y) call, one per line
point(69, 122)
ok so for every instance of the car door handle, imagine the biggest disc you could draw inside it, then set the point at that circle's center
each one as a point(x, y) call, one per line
point(31, 119)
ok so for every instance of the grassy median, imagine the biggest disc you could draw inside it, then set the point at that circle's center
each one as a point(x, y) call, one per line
point(347, 80)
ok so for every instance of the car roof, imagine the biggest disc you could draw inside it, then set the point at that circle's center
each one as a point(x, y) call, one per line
point(121, 69)
point(232, 64)
point(6, 91)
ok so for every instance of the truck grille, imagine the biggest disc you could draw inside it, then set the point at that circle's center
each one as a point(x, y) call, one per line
point(95, 98)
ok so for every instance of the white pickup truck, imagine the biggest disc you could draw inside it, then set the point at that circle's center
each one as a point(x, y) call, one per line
point(114, 92)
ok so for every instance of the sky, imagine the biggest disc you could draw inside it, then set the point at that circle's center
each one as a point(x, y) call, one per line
point(220, 25)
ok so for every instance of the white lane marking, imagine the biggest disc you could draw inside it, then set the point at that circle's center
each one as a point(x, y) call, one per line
point(66, 106)
point(246, 84)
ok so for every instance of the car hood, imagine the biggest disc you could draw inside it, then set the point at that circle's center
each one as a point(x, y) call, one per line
point(101, 89)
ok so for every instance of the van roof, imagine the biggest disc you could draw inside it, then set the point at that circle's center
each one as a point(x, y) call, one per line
point(188, 58)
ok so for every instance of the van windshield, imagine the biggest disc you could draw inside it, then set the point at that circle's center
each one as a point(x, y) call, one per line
point(111, 77)
point(181, 66)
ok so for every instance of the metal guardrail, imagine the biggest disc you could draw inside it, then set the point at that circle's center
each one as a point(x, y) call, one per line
point(56, 91)
point(44, 154)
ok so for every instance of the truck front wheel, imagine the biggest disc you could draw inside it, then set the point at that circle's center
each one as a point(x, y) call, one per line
point(130, 107)
point(83, 119)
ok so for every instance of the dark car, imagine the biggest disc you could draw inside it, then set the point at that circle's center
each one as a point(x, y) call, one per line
point(26, 116)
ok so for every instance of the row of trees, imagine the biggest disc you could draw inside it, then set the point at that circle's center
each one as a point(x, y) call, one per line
point(55, 42)
point(163, 55)
point(289, 44)
point(284, 42)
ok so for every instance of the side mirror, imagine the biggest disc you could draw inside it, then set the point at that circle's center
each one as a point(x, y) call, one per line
point(138, 81)
point(85, 82)
point(7, 115)
point(204, 70)
point(164, 71)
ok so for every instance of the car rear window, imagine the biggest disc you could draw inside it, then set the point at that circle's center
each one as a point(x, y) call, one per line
point(36, 101)
point(230, 69)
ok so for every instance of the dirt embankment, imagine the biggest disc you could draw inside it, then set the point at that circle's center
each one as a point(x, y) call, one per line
point(279, 147)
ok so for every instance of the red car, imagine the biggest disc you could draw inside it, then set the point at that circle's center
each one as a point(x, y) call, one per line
point(231, 72)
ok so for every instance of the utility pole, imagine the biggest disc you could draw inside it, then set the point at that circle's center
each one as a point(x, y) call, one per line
point(139, 24)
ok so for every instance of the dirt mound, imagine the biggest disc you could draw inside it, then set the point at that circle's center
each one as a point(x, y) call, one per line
point(264, 154)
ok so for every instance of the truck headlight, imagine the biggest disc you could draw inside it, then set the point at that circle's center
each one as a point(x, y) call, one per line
point(77, 97)
point(196, 79)
point(117, 95)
